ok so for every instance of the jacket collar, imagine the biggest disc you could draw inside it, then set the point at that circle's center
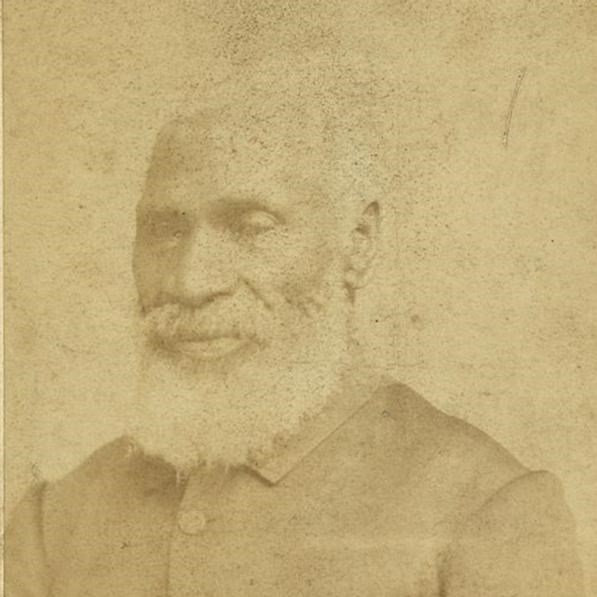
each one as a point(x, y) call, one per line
point(356, 389)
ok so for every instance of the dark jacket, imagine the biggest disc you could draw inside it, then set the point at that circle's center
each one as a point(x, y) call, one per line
point(383, 496)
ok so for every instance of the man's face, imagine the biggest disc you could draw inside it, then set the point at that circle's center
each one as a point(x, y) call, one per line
point(224, 217)
point(238, 265)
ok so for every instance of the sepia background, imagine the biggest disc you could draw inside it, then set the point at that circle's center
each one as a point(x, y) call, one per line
point(485, 295)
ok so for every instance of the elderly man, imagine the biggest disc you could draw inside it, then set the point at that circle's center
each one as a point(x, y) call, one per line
point(265, 457)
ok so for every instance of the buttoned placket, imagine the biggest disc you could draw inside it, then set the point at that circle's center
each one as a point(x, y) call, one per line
point(195, 513)
point(202, 540)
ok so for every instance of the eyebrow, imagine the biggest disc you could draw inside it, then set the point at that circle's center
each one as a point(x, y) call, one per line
point(225, 207)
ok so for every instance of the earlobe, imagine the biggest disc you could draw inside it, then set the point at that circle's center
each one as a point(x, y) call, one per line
point(363, 246)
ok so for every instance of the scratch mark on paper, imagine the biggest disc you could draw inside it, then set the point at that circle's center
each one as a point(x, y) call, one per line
point(515, 92)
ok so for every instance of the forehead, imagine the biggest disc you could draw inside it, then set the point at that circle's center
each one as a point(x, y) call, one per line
point(230, 151)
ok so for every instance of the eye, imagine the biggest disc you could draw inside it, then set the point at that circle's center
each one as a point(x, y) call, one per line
point(256, 222)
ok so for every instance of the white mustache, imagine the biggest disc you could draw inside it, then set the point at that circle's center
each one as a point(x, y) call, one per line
point(236, 317)
point(179, 322)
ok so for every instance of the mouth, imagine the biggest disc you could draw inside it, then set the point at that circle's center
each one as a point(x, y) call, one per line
point(206, 348)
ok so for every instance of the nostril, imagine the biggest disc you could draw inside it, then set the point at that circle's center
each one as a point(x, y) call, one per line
point(197, 290)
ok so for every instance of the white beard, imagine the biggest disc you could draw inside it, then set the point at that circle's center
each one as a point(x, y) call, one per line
point(190, 413)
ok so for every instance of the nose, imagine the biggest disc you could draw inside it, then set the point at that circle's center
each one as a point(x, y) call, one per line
point(204, 270)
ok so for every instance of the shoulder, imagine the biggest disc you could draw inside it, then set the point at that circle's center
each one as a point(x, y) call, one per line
point(42, 524)
point(64, 498)
point(117, 466)
point(427, 433)
point(521, 541)
point(436, 454)
point(112, 477)
point(508, 529)
point(71, 491)
point(102, 465)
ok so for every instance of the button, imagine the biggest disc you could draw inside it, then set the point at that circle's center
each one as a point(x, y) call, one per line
point(191, 522)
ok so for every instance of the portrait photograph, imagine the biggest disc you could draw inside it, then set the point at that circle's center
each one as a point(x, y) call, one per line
point(300, 298)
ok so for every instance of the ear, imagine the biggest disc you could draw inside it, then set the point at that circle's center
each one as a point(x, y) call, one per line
point(364, 238)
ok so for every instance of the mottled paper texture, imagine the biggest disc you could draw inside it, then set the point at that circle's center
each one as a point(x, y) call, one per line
point(484, 294)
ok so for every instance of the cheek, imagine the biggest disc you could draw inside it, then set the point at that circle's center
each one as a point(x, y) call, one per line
point(296, 265)
point(307, 274)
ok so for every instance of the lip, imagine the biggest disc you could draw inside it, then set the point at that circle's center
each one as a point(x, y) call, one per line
point(208, 349)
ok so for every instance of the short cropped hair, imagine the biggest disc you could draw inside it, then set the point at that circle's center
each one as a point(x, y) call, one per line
point(325, 110)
